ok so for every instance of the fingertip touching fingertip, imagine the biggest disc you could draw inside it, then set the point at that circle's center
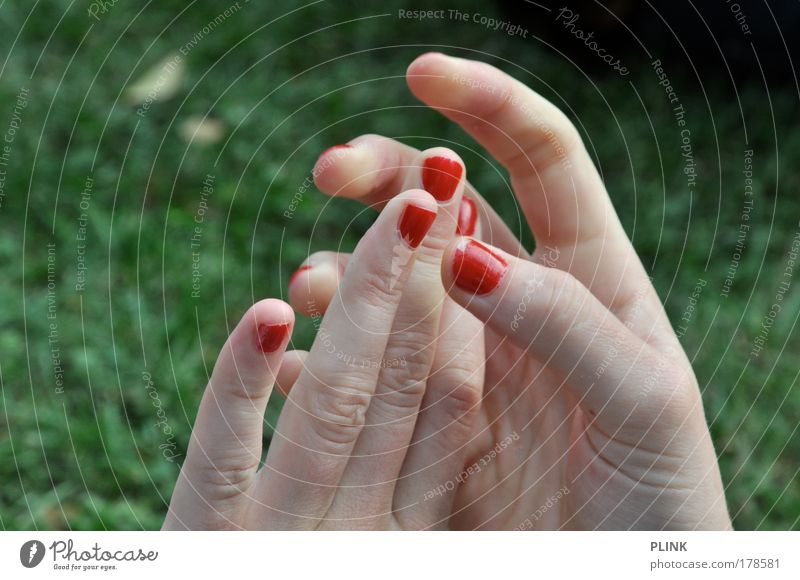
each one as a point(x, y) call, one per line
point(441, 176)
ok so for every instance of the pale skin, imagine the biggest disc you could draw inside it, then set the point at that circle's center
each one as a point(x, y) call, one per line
point(588, 376)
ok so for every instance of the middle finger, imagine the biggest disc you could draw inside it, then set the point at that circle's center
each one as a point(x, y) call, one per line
point(367, 488)
point(326, 408)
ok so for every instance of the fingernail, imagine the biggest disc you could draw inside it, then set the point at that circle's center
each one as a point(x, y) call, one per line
point(297, 272)
point(467, 217)
point(477, 269)
point(335, 148)
point(271, 336)
point(415, 223)
point(440, 177)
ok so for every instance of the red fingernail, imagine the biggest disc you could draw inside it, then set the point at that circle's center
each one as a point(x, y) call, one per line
point(271, 336)
point(415, 223)
point(477, 269)
point(440, 177)
point(294, 276)
point(467, 217)
point(335, 148)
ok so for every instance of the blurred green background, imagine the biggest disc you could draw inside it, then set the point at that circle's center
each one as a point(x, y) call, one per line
point(281, 82)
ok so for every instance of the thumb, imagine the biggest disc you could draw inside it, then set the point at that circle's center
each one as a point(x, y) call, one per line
point(560, 322)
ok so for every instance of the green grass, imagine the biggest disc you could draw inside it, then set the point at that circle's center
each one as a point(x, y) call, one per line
point(89, 457)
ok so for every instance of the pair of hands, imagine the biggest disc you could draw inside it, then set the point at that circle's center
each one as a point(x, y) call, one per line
point(454, 383)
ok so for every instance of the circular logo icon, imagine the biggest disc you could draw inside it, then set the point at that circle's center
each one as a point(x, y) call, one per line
point(31, 553)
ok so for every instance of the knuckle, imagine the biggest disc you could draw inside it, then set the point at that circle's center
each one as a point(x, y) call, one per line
point(459, 389)
point(673, 396)
point(402, 381)
point(378, 289)
point(237, 389)
point(338, 415)
point(225, 480)
point(462, 399)
point(553, 141)
point(398, 401)
point(563, 296)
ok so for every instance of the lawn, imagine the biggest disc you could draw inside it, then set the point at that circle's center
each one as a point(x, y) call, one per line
point(128, 253)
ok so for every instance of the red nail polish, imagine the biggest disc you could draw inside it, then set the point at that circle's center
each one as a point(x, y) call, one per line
point(271, 336)
point(440, 177)
point(335, 148)
point(297, 272)
point(415, 223)
point(467, 217)
point(477, 269)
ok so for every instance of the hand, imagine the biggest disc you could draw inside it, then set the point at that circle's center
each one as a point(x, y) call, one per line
point(303, 484)
point(581, 361)
point(362, 369)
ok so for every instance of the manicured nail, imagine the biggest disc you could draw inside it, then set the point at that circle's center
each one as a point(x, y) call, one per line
point(335, 148)
point(440, 177)
point(271, 336)
point(477, 269)
point(415, 223)
point(467, 217)
point(297, 272)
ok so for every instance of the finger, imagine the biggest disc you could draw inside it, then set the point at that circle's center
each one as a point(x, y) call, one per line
point(433, 467)
point(424, 494)
point(443, 425)
point(367, 487)
point(293, 362)
point(312, 286)
point(373, 169)
point(225, 448)
point(326, 408)
point(561, 323)
point(560, 190)
point(558, 186)
point(314, 283)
